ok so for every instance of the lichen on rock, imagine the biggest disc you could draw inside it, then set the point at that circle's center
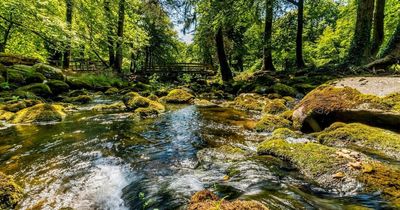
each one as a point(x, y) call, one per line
point(250, 102)
point(40, 113)
point(178, 96)
point(269, 123)
point(142, 106)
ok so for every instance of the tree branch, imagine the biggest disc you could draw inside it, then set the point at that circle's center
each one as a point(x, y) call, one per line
point(293, 2)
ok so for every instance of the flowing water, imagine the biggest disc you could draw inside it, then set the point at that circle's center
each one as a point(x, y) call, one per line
point(109, 161)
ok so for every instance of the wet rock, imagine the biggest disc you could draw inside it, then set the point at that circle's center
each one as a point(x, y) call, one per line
point(284, 90)
point(206, 200)
point(275, 106)
point(58, 86)
point(38, 89)
point(5, 115)
point(18, 74)
point(178, 96)
point(153, 97)
point(204, 103)
point(328, 104)
point(10, 193)
point(112, 91)
point(223, 153)
point(142, 106)
point(283, 133)
point(15, 106)
point(269, 123)
point(76, 93)
point(327, 165)
point(78, 83)
point(250, 102)
point(119, 106)
point(366, 138)
point(9, 60)
point(49, 72)
point(40, 113)
point(82, 99)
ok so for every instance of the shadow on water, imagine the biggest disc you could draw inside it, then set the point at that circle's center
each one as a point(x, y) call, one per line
point(108, 161)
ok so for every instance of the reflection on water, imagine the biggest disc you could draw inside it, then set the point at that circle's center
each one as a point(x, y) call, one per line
point(108, 161)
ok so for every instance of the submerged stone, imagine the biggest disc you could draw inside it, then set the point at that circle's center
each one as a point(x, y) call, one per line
point(40, 113)
point(10, 192)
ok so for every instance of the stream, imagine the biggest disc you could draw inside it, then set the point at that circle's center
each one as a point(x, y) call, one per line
point(109, 161)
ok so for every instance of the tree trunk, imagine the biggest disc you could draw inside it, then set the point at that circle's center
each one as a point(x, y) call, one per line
point(224, 66)
point(120, 34)
point(110, 32)
point(299, 38)
point(378, 30)
point(67, 52)
point(267, 51)
point(360, 48)
point(6, 36)
point(393, 46)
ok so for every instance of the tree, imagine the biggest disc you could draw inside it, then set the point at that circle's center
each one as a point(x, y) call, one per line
point(300, 27)
point(360, 48)
point(67, 52)
point(267, 40)
point(110, 32)
point(226, 72)
point(120, 34)
point(378, 28)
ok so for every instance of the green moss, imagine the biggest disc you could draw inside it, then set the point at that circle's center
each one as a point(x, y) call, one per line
point(38, 89)
point(275, 106)
point(79, 83)
point(112, 91)
point(6, 115)
point(269, 123)
point(76, 93)
point(370, 139)
point(283, 133)
point(10, 59)
point(119, 106)
point(284, 90)
point(250, 102)
point(204, 103)
point(15, 106)
point(40, 113)
point(82, 99)
point(133, 101)
point(10, 192)
point(153, 97)
point(148, 112)
point(58, 86)
point(35, 78)
point(178, 96)
point(287, 115)
point(49, 72)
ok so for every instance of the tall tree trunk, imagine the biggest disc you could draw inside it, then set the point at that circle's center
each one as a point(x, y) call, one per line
point(223, 62)
point(110, 32)
point(378, 30)
point(299, 38)
point(267, 51)
point(67, 52)
point(360, 48)
point(6, 36)
point(393, 47)
point(120, 34)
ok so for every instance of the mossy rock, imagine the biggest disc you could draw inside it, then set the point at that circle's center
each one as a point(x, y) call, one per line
point(206, 200)
point(38, 89)
point(250, 102)
point(25, 95)
point(15, 106)
point(18, 74)
point(81, 99)
point(58, 86)
point(283, 133)
point(77, 83)
point(10, 192)
point(119, 106)
point(275, 106)
point(269, 123)
point(366, 138)
point(10, 59)
point(35, 78)
point(134, 101)
point(204, 103)
point(340, 169)
point(49, 72)
point(328, 104)
point(76, 93)
point(284, 90)
point(178, 96)
point(40, 113)
point(112, 91)
point(148, 112)
point(6, 115)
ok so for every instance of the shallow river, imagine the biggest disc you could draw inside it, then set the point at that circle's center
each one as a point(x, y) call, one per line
point(108, 161)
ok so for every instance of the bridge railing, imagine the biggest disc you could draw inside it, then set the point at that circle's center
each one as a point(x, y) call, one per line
point(87, 65)
point(191, 68)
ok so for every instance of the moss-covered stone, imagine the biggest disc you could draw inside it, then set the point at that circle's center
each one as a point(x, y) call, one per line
point(275, 106)
point(153, 97)
point(269, 123)
point(142, 106)
point(119, 106)
point(206, 200)
point(35, 78)
point(6, 115)
point(40, 113)
point(366, 138)
point(10, 59)
point(38, 89)
point(149, 112)
point(204, 103)
point(328, 104)
point(81, 99)
point(10, 192)
point(340, 169)
point(15, 106)
point(76, 93)
point(284, 90)
point(112, 91)
point(287, 115)
point(49, 72)
point(250, 102)
point(78, 83)
point(283, 133)
point(178, 96)
point(57, 86)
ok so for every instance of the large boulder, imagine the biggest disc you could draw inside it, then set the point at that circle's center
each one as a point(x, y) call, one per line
point(40, 113)
point(38, 89)
point(9, 60)
point(344, 101)
point(178, 96)
point(10, 192)
point(49, 72)
point(58, 86)
point(142, 106)
point(250, 102)
point(269, 123)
